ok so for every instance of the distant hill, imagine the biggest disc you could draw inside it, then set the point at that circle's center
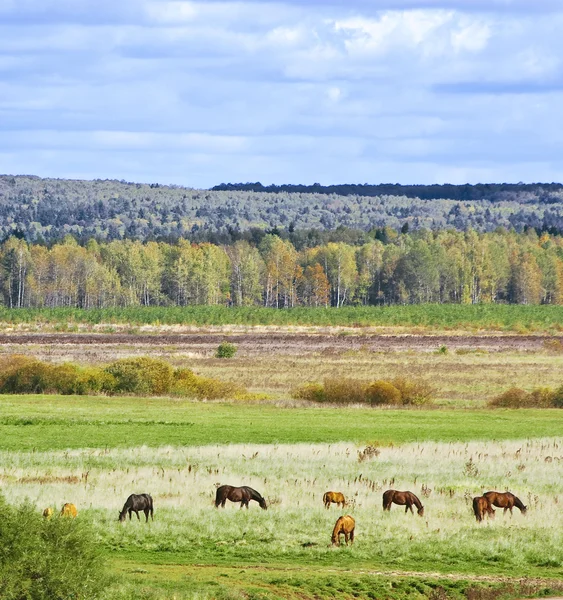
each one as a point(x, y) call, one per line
point(45, 210)
point(494, 192)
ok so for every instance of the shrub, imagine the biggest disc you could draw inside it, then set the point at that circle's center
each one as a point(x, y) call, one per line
point(43, 559)
point(382, 392)
point(312, 392)
point(512, 398)
point(187, 383)
point(557, 398)
point(226, 350)
point(143, 375)
point(414, 391)
point(344, 391)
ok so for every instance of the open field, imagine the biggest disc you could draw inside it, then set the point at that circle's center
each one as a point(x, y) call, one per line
point(95, 451)
point(468, 371)
point(192, 548)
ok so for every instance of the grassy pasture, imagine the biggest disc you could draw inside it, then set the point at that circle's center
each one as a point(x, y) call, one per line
point(194, 550)
point(37, 422)
point(518, 318)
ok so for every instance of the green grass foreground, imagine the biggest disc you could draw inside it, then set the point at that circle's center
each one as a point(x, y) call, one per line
point(43, 422)
point(516, 318)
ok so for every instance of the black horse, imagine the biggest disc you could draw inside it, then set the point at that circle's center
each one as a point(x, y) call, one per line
point(242, 494)
point(134, 504)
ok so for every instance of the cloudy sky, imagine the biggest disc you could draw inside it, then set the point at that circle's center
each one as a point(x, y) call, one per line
point(293, 91)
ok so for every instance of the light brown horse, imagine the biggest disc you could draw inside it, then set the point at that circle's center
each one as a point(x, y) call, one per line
point(335, 497)
point(69, 510)
point(406, 499)
point(505, 500)
point(344, 525)
point(482, 508)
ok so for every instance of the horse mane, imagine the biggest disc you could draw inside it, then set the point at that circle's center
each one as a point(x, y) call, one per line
point(518, 503)
point(254, 495)
point(416, 501)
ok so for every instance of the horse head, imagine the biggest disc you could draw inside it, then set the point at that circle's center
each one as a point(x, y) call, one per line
point(262, 503)
point(420, 511)
point(122, 515)
point(524, 510)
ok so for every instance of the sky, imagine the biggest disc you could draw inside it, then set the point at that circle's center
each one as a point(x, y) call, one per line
point(292, 91)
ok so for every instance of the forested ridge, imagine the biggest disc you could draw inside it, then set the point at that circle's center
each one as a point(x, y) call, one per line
point(45, 210)
point(386, 267)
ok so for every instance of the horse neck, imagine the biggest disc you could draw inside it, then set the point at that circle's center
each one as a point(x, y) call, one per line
point(416, 501)
point(518, 503)
point(254, 495)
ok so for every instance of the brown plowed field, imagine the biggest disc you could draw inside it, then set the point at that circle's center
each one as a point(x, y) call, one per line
point(250, 344)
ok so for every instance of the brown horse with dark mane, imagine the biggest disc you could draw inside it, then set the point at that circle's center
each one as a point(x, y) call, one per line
point(243, 494)
point(505, 500)
point(406, 499)
point(334, 497)
point(482, 508)
point(344, 526)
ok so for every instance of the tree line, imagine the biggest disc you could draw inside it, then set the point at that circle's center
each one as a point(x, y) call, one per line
point(389, 268)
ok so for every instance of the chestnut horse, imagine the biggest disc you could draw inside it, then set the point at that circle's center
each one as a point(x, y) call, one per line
point(505, 500)
point(406, 499)
point(335, 497)
point(243, 494)
point(69, 510)
point(482, 508)
point(344, 525)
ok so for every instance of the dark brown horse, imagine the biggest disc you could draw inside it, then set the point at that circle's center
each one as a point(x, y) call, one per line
point(482, 508)
point(505, 500)
point(336, 497)
point(243, 494)
point(406, 499)
point(344, 525)
point(134, 504)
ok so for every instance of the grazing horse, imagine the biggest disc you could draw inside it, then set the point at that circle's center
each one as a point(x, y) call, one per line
point(482, 508)
point(134, 504)
point(48, 512)
point(344, 525)
point(335, 497)
point(505, 500)
point(68, 510)
point(243, 494)
point(406, 499)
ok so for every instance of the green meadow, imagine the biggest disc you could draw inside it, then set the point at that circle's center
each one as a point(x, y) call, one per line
point(95, 451)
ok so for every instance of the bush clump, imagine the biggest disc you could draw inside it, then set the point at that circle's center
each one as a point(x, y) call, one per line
point(382, 392)
point(43, 559)
point(142, 375)
point(537, 398)
point(138, 376)
point(352, 391)
point(225, 350)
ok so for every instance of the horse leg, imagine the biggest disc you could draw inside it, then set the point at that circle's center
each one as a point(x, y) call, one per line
point(146, 511)
point(346, 538)
point(504, 511)
point(352, 537)
point(130, 513)
point(138, 517)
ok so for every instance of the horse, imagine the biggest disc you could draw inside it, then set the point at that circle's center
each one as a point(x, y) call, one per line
point(505, 500)
point(344, 525)
point(68, 510)
point(134, 504)
point(335, 497)
point(48, 512)
point(406, 499)
point(482, 508)
point(243, 494)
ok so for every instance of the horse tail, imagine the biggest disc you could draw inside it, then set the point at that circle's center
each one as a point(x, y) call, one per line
point(151, 507)
point(387, 499)
point(218, 496)
point(477, 509)
point(325, 497)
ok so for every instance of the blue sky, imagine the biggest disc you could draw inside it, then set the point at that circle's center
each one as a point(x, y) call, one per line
point(329, 91)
